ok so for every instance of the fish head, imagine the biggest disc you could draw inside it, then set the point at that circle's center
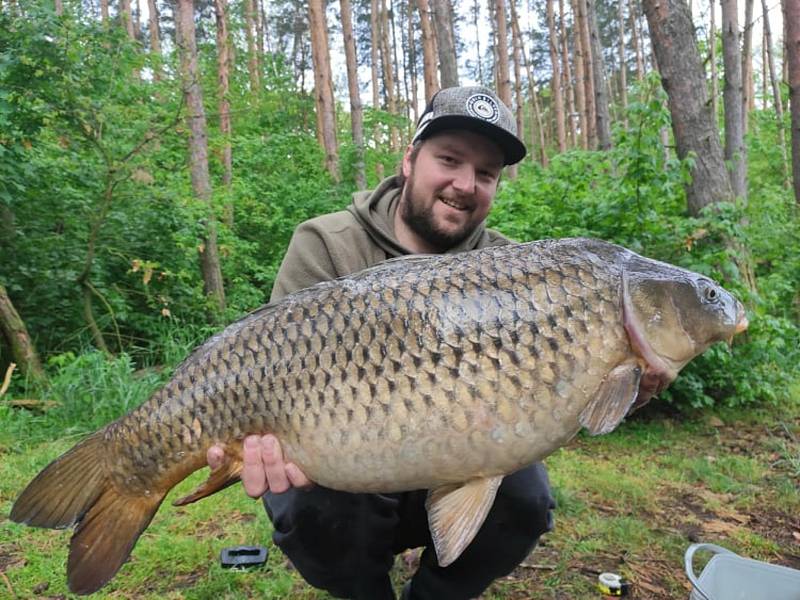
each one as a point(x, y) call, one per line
point(673, 315)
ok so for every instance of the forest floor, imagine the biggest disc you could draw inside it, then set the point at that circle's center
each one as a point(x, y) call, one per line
point(630, 502)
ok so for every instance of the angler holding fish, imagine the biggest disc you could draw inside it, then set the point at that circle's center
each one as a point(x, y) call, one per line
point(418, 394)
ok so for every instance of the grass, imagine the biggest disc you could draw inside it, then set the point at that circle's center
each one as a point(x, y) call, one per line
point(629, 502)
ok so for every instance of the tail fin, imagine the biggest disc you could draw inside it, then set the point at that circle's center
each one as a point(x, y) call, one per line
point(75, 489)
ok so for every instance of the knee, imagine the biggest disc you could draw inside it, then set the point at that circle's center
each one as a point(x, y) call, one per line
point(525, 504)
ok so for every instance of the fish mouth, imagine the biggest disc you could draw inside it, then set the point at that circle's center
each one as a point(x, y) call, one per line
point(741, 320)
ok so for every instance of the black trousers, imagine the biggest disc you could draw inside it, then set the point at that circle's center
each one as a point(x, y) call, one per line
point(345, 543)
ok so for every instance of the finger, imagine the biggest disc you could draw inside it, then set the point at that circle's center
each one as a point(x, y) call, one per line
point(296, 477)
point(274, 467)
point(214, 457)
point(253, 476)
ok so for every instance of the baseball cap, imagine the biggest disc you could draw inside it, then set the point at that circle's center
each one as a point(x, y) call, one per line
point(476, 109)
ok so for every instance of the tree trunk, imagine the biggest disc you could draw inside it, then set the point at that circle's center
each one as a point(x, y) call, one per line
point(224, 65)
point(748, 100)
point(504, 75)
point(712, 46)
point(104, 11)
point(443, 21)
point(683, 78)
point(637, 47)
point(735, 152)
point(623, 75)
point(259, 14)
point(428, 51)
point(356, 113)
point(516, 44)
point(127, 17)
point(388, 76)
point(566, 77)
point(776, 94)
point(580, 80)
point(375, 43)
point(538, 129)
point(155, 40)
point(555, 81)
point(791, 17)
point(252, 54)
point(23, 351)
point(59, 6)
point(412, 59)
point(323, 90)
point(476, 12)
point(588, 74)
point(599, 79)
point(198, 154)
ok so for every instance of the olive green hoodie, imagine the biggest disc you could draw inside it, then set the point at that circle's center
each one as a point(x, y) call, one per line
point(350, 240)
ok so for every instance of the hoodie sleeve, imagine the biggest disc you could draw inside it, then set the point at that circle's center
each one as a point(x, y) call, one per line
point(324, 248)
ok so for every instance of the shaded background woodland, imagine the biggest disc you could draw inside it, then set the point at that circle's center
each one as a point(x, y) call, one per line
point(155, 158)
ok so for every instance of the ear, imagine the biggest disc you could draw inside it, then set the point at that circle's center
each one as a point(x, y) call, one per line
point(407, 161)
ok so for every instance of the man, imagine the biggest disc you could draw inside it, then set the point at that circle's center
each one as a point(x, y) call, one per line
point(345, 543)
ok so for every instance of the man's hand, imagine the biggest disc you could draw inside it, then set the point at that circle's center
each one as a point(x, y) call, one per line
point(264, 469)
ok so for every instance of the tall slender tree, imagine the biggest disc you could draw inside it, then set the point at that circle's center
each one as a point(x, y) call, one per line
point(356, 112)
point(588, 75)
point(566, 76)
point(388, 74)
point(580, 87)
point(503, 72)
point(635, 39)
point(748, 100)
point(127, 17)
point(516, 45)
point(555, 81)
point(683, 78)
point(224, 65)
point(623, 68)
point(323, 85)
point(252, 48)
point(198, 154)
point(537, 127)
point(712, 59)
point(428, 51)
point(735, 152)
point(601, 101)
point(443, 22)
point(776, 92)
point(155, 39)
point(791, 17)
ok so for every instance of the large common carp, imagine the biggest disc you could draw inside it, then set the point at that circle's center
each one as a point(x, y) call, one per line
point(427, 372)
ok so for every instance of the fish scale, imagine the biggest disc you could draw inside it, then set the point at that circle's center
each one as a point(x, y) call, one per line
point(440, 373)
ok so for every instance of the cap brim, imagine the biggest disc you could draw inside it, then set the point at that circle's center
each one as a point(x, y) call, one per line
point(513, 149)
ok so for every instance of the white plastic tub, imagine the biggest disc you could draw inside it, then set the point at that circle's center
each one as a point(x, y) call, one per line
point(728, 576)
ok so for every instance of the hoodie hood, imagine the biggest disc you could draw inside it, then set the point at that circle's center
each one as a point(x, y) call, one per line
point(375, 212)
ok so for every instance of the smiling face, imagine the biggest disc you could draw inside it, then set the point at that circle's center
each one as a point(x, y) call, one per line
point(450, 185)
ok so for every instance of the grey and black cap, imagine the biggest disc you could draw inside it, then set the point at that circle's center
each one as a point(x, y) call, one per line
point(476, 109)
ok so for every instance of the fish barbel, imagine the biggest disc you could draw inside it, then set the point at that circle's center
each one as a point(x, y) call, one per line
point(426, 372)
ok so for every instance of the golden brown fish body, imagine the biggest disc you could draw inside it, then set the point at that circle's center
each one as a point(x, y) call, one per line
point(435, 372)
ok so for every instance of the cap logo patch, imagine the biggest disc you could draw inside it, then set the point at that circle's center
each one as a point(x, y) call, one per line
point(483, 107)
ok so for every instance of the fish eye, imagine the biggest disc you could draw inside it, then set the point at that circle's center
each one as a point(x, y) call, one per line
point(710, 294)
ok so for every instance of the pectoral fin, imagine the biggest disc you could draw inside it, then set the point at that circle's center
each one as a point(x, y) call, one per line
point(456, 513)
point(613, 400)
point(224, 475)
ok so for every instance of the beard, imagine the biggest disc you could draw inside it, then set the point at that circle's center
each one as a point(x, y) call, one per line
point(418, 216)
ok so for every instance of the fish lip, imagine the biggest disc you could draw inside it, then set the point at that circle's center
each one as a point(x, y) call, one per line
point(741, 321)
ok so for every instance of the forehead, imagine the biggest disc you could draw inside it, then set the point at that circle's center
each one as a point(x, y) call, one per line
point(467, 144)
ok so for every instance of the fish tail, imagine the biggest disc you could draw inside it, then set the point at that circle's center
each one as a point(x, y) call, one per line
point(75, 488)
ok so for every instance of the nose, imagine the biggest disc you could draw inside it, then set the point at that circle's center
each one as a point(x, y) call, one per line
point(464, 180)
